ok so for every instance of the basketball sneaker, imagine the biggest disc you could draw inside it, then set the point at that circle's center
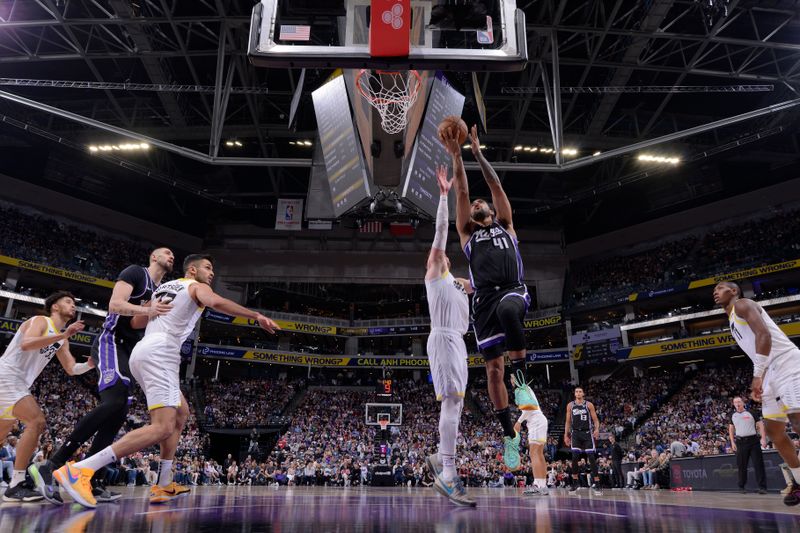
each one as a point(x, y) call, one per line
point(787, 475)
point(454, 491)
point(596, 490)
point(511, 452)
point(159, 494)
point(21, 492)
point(793, 498)
point(573, 488)
point(178, 488)
point(434, 462)
point(102, 494)
point(42, 476)
point(534, 490)
point(523, 395)
point(78, 483)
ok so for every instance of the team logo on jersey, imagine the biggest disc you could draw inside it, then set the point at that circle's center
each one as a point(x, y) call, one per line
point(49, 351)
point(108, 376)
point(459, 286)
point(485, 234)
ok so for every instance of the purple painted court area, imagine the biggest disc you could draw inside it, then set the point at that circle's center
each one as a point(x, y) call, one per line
point(301, 509)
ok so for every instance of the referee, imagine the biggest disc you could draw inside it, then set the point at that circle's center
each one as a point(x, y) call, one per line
point(746, 442)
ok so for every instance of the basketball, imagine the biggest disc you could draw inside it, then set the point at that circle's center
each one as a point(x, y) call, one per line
point(453, 123)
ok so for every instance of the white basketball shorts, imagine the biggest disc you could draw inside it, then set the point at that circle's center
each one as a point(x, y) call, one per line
point(447, 355)
point(11, 391)
point(155, 364)
point(537, 426)
point(782, 387)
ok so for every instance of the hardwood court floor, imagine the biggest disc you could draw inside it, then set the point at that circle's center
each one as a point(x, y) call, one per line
point(320, 509)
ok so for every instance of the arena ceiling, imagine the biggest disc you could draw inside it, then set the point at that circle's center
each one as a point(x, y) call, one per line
point(136, 65)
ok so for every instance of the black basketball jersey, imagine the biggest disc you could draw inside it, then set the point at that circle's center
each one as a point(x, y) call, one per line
point(143, 286)
point(494, 259)
point(581, 419)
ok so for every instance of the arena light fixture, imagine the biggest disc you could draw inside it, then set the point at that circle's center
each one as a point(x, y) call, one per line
point(569, 151)
point(596, 153)
point(122, 147)
point(649, 158)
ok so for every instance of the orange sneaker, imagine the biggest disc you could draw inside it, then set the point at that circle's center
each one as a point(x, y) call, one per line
point(179, 489)
point(77, 482)
point(159, 494)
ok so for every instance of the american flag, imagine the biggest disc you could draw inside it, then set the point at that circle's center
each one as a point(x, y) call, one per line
point(295, 33)
point(371, 226)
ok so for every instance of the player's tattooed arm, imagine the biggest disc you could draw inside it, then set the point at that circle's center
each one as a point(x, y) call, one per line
point(500, 200)
point(119, 304)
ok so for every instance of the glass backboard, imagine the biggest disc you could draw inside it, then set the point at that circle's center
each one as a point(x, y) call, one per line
point(471, 36)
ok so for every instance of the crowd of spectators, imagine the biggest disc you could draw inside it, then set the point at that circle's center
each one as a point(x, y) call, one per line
point(697, 416)
point(728, 249)
point(245, 403)
point(618, 276)
point(622, 401)
point(330, 443)
point(32, 236)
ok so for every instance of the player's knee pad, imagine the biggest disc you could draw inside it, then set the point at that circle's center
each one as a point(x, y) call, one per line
point(510, 313)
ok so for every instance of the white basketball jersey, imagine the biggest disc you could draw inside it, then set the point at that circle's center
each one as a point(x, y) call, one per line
point(746, 339)
point(180, 321)
point(26, 365)
point(448, 303)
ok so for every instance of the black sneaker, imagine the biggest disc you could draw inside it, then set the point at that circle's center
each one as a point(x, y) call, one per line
point(793, 498)
point(596, 490)
point(42, 477)
point(573, 488)
point(21, 493)
point(102, 494)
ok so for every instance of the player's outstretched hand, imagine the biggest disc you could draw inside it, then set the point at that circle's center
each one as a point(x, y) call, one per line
point(441, 177)
point(75, 327)
point(567, 441)
point(267, 324)
point(450, 143)
point(475, 143)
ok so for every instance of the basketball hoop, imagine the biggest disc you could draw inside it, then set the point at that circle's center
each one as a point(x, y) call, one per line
point(384, 424)
point(392, 93)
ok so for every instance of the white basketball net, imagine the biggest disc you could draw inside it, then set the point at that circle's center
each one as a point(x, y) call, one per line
point(392, 94)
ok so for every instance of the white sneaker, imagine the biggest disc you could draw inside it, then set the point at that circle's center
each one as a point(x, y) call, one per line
point(3, 485)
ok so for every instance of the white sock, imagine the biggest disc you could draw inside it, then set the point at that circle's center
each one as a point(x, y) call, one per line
point(448, 433)
point(17, 478)
point(98, 460)
point(165, 472)
point(796, 474)
point(540, 482)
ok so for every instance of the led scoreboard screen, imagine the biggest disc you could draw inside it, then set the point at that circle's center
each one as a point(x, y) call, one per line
point(421, 187)
point(383, 387)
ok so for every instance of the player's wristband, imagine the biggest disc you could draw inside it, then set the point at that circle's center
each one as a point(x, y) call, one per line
point(80, 368)
point(760, 363)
